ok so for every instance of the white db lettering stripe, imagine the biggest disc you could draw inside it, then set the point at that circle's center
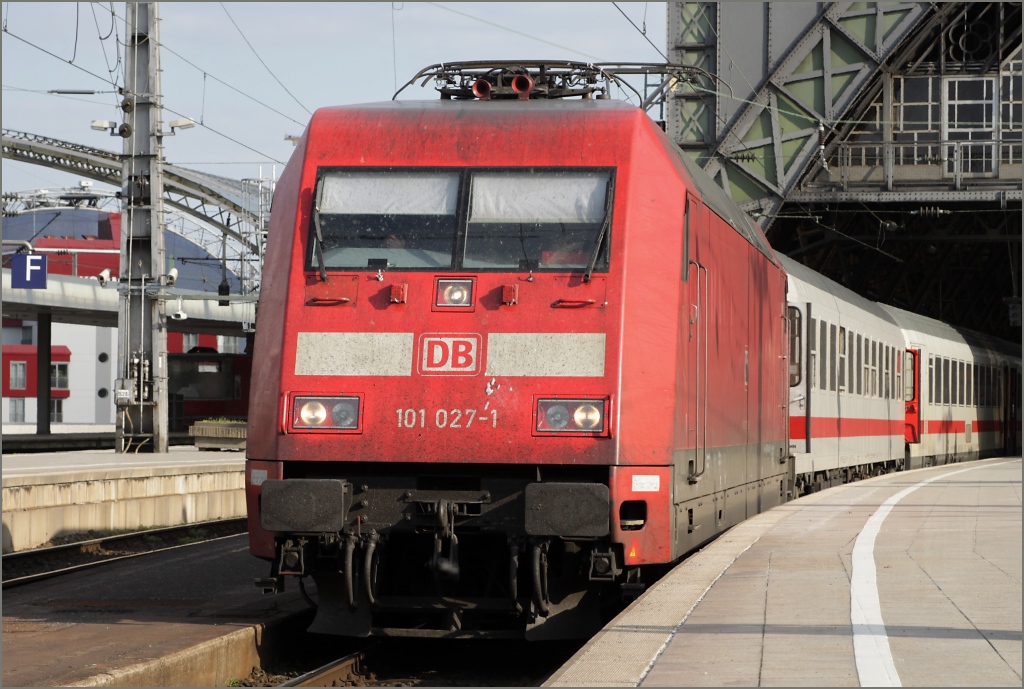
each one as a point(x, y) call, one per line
point(354, 354)
point(545, 354)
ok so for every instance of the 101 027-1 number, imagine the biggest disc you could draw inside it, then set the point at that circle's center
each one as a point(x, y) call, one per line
point(446, 418)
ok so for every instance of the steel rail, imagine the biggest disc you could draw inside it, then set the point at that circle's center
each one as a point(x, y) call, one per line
point(344, 669)
point(98, 544)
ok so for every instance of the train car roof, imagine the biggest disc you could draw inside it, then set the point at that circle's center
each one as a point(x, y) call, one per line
point(801, 272)
point(929, 326)
point(556, 108)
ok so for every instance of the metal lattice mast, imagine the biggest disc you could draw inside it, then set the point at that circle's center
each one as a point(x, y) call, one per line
point(142, 334)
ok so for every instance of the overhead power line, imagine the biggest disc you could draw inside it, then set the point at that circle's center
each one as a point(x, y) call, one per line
point(261, 60)
point(164, 46)
point(105, 80)
point(520, 33)
point(642, 32)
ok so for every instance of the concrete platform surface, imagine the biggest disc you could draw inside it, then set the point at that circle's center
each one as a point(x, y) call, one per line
point(190, 616)
point(906, 579)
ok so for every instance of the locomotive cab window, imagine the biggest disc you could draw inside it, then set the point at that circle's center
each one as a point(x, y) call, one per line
point(538, 220)
point(521, 220)
point(391, 219)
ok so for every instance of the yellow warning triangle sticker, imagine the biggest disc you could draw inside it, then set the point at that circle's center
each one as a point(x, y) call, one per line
point(632, 553)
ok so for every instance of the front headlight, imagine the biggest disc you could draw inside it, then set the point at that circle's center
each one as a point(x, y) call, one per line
point(571, 416)
point(339, 413)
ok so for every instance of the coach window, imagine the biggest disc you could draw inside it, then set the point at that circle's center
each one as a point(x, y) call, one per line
point(888, 372)
point(860, 363)
point(823, 350)
point(842, 359)
point(832, 358)
point(952, 382)
point(538, 220)
point(812, 336)
point(931, 380)
point(909, 394)
point(962, 395)
point(385, 219)
point(898, 361)
point(874, 368)
point(849, 362)
point(970, 386)
point(945, 381)
point(795, 339)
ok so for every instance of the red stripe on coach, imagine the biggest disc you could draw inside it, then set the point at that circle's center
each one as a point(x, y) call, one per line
point(830, 427)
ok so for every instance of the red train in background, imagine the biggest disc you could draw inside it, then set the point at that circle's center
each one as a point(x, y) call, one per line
point(514, 349)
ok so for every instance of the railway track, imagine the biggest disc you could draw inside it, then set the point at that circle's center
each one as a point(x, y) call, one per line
point(426, 662)
point(344, 671)
point(29, 566)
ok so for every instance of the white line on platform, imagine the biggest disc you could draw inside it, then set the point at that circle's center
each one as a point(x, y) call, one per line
point(875, 666)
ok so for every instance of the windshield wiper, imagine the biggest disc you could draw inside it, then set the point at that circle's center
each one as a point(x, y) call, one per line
point(319, 231)
point(604, 230)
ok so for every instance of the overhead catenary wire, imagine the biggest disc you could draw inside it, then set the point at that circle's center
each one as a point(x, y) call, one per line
point(518, 33)
point(205, 126)
point(103, 46)
point(261, 60)
point(58, 57)
point(74, 53)
point(643, 32)
point(164, 46)
point(394, 51)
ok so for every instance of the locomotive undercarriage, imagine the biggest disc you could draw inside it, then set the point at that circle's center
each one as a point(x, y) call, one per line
point(425, 551)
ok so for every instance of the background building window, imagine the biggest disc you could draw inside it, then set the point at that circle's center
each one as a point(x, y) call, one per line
point(56, 411)
point(228, 344)
point(16, 414)
point(18, 369)
point(59, 376)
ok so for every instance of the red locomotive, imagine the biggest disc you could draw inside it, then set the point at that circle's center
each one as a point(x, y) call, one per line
point(514, 347)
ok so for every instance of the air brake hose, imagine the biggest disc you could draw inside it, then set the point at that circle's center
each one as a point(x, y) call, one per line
point(538, 593)
point(371, 546)
point(350, 588)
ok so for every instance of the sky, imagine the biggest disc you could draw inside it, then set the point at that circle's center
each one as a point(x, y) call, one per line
point(287, 58)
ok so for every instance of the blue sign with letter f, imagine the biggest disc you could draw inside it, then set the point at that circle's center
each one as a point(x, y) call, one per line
point(28, 271)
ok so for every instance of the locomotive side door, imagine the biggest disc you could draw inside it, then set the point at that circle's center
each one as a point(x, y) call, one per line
point(912, 395)
point(698, 363)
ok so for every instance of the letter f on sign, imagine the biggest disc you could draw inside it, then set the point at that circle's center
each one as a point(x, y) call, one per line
point(28, 271)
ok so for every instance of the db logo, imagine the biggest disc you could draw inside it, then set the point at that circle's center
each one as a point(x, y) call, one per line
point(449, 355)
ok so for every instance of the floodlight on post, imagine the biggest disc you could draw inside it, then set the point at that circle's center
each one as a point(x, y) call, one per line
point(184, 123)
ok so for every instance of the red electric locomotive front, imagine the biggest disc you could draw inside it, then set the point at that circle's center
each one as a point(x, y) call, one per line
point(509, 353)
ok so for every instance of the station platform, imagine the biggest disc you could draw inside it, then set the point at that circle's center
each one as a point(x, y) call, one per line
point(905, 579)
point(45, 495)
